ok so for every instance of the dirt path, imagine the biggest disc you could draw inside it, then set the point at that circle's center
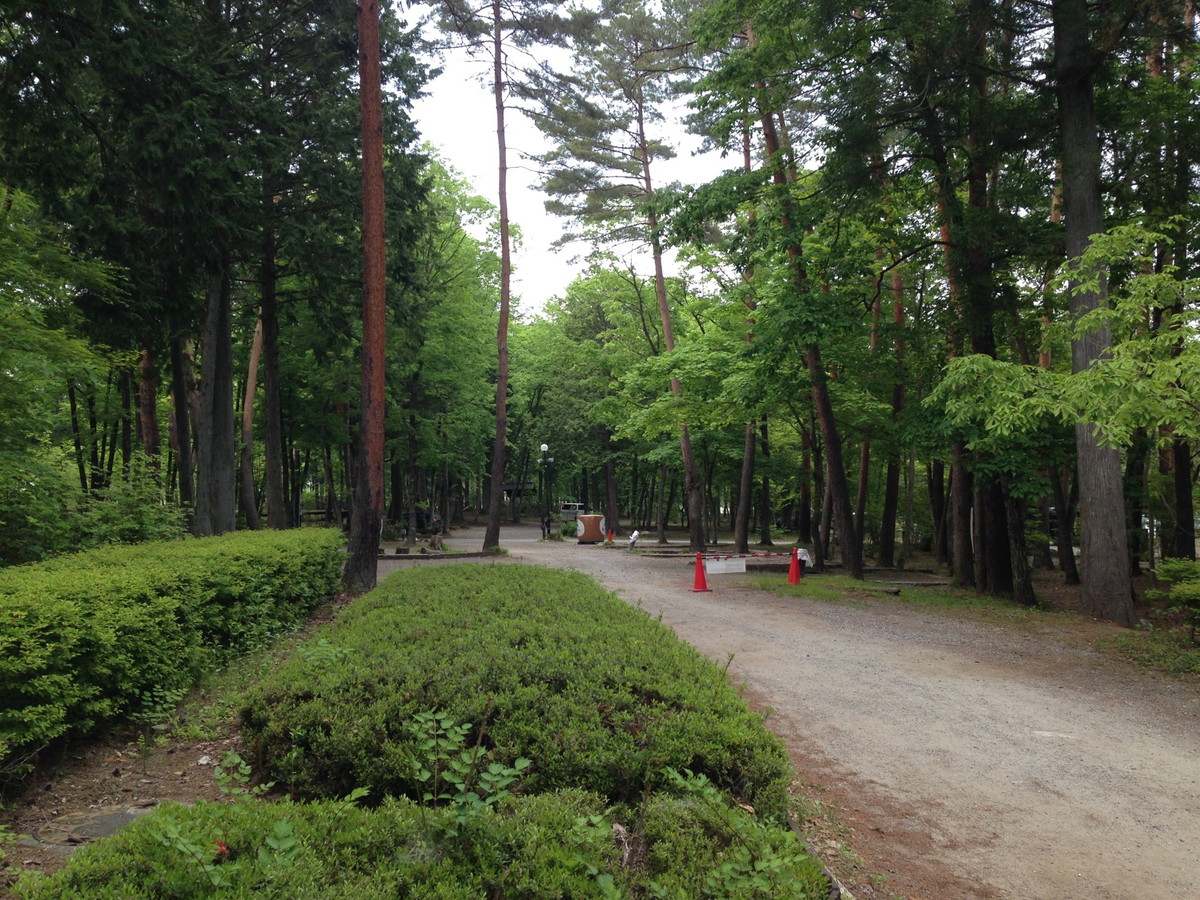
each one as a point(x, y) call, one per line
point(968, 760)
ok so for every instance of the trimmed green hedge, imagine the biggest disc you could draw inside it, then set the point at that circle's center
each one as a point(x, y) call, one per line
point(608, 704)
point(95, 636)
point(545, 664)
point(563, 846)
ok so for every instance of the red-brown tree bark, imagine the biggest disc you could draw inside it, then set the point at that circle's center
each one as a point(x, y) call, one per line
point(367, 515)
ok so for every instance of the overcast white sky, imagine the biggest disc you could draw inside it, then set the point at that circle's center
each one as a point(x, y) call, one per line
point(459, 118)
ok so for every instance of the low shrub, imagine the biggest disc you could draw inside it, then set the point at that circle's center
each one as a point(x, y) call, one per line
point(335, 849)
point(698, 845)
point(543, 663)
point(43, 513)
point(1183, 596)
point(92, 637)
point(1160, 648)
point(1167, 642)
point(131, 510)
point(552, 846)
point(37, 513)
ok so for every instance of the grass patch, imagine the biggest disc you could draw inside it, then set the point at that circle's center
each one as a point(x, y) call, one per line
point(844, 589)
point(823, 589)
point(212, 706)
point(951, 598)
point(1166, 650)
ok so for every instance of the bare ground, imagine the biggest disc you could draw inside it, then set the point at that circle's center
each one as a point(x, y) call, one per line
point(947, 756)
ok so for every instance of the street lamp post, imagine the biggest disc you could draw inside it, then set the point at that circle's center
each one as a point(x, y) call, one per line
point(547, 486)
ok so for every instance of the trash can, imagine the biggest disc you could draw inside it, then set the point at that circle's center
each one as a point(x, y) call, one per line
point(588, 528)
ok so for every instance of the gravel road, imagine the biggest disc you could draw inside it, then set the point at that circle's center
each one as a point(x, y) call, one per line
point(968, 760)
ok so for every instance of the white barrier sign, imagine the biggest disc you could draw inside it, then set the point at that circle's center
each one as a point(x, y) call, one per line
point(728, 566)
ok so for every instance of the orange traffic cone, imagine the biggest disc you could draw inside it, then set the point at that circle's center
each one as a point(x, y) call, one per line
point(701, 583)
point(794, 575)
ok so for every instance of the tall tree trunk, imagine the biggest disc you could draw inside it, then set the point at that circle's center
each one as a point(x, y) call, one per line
point(765, 511)
point(268, 278)
point(367, 513)
point(215, 470)
point(446, 505)
point(891, 489)
point(694, 489)
point(1170, 181)
point(181, 419)
point(741, 524)
point(410, 500)
point(128, 419)
point(962, 550)
point(821, 525)
point(1183, 533)
point(96, 456)
point(273, 463)
point(1064, 505)
point(663, 507)
point(249, 496)
point(970, 279)
point(1107, 585)
point(301, 479)
point(1136, 488)
point(1041, 549)
point(516, 497)
point(910, 495)
point(333, 504)
point(804, 525)
point(395, 503)
point(148, 401)
point(979, 538)
point(77, 435)
point(838, 488)
point(939, 512)
point(1022, 581)
point(862, 489)
point(999, 535)
point(837, 485)
point(826, 522)
point(887, 517)
point(864, 447)
point(491, 537)
point(612, 511)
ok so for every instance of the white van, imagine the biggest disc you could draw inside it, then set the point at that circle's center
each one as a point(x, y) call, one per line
point(568, 511)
